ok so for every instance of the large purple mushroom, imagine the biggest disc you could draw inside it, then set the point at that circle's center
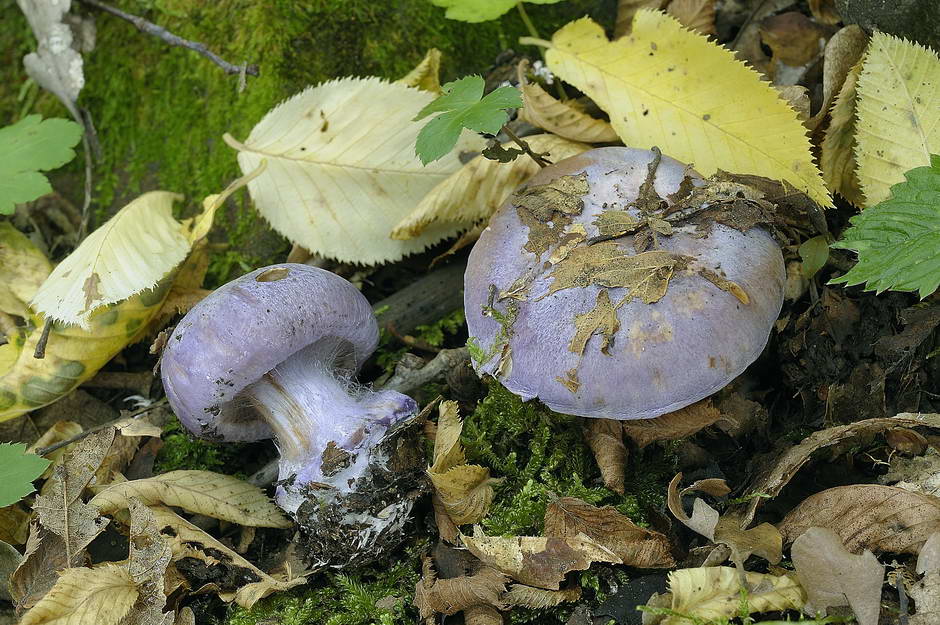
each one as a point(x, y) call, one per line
point(595, 292)
point(275, 354)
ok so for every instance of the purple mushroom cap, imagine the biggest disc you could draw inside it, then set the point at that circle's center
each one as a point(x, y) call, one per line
point(663, 355)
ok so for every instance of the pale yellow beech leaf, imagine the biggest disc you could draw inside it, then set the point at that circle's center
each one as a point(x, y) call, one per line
point(898, 110)
point(83, 596)
point(669, 87)
point(837, 156)
point(201, 492)
point(475, 191)
point(24, 269)
point(342, 170)
point(543, 110)
point(713, 593)
point(426, 74)
point(129, 253)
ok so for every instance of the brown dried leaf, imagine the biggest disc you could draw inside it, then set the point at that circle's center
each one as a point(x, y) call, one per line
point(539, 598)
point(699, 15)
point(634, 545)
point(834, 577)
point(837, 155)
point(535, 560)
point(616, 223)
point(824, 11)
point(14, 524)
point(562, 195)
point(148, 558)
point(560, 118)
point(704, 518)
point(764, 541)
point(926, 595)
point(673, 425)
point(626, 9)
point(119, 456)
point(465, 490)
point(607, 264)
point(201, 492)
point(482, 615)
point(928, 558)
point(906, 441)
point(843, 51)
point(602, 320)
point(605, 438)
point(449, 596)
point(713, 593)
point(793, 38)
point(57, 432)
point(770, 481)
point(43, 558)
point(446, 528)
point(102, 596)
point(714, 486)
point(868, 516)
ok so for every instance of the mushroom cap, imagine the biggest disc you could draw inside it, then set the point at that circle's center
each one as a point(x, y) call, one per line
point(665, 355)
point(247, 327)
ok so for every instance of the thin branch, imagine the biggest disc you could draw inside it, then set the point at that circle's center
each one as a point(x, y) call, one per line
point(42, 451)
point(40, 351)
point(175, 40)
point(535, 156)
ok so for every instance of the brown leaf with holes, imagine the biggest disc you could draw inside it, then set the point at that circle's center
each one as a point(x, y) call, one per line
point(539, 598)
point(605, 438)
point(607, 264)
point(634, 545)
point(672, 425)
point(601, 320)
point(884, 519)
point(535, 560)
point(699, 15)
point(616, 223)
point(832, 576)
point(449, 596)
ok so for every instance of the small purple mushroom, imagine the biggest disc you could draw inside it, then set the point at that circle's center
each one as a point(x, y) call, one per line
point(275, 353)
point(591, 291)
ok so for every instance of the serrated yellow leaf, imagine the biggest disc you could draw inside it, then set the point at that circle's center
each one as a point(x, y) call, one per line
point(837, 157)
point(130, 252)
point(24, 268)
point(476, 190)
point(342, 169)
point(711, 593)
point(898, 110)
point(666, 86)
point(426, 74)
point(201, 492)
point(82, 596)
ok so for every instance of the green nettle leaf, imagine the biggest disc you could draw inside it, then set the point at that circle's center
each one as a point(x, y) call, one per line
point(480, 10)
point(898, 240)
point(18, 469)
point(462, 105)
point(28, 147)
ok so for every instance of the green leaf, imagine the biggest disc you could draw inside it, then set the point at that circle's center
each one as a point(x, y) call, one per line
point(898, 240)
point(462, 105)
point(28, 147)
point(480, 10)
point(18, 469)
point(815, 253)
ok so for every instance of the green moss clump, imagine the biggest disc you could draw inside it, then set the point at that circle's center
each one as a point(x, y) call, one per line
point(182, 451)
point(339, 599)
point(541, 454)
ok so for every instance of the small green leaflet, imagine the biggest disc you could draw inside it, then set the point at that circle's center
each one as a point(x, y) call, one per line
point(18, 469)
point(898, 240)
point(480, 10)
point(28, 147)
point(461, 107)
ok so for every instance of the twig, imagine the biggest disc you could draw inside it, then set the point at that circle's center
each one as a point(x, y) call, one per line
point(175, 40)
point(535, 156)
point(40, 352)
point(42, 451)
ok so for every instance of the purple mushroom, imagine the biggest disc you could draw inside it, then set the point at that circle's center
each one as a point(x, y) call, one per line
point(591, 291)
point(274, 354)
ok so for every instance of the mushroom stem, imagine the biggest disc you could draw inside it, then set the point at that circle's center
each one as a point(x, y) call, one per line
point(324, 424)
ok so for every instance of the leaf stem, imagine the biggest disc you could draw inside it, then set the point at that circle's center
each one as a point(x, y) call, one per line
point(525, 20)
point(535, 156)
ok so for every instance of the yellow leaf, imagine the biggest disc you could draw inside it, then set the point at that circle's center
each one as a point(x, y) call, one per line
point(713, 593)
point(342, 169)
point(898, 110)
point(837, 157)
point(82, 596)
point(200, 492)
point(131, 252)
point(426, 75)
point(666, 86)
point(24, 268)
point(476, 190)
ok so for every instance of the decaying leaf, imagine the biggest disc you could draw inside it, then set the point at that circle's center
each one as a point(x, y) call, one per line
point(763, 540)
point(334, 193)
point(843, 52)
point(465, 490)
point(868, 516)
point(535, 560)
point(202, 492)
point(794, 40)
point(715, 593)
point(14, 524)
point(24, 268)
point(673, 425)
point(926, 592)
point(626, 10)
point(148, 558)
point(601, 320)
point(837, 156)
point(644, 100)
point(539, 598)
point(928, 558)
point(616, 223)
point(474, 192)
point(607, 264)
point(102, 595)
point(704, 518)
point(605, 438)
point(834, 577)
point(699, 15)
point(449, 596)
point(769, 481)
point(426, 74)
point(560, 118)
point(898, 112)
point(635, 546)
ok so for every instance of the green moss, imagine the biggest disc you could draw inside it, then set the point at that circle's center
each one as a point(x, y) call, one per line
point(182, 451)
point(541, 454)
point(338, 599)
